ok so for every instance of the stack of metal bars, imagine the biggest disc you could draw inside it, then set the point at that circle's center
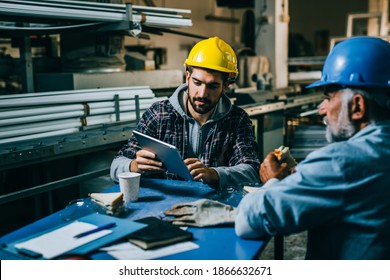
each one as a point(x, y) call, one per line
point(91, 12)
point(30, 116)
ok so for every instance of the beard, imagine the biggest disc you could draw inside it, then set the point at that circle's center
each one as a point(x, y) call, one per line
point(205, 108)
point(343, 129)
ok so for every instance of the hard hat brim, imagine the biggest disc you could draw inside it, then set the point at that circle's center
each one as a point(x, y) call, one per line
point(317, 84)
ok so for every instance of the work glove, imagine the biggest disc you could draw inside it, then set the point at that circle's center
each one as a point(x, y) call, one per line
point(201, 213)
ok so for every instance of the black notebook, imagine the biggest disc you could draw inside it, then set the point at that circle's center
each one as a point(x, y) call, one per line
point(158, 233)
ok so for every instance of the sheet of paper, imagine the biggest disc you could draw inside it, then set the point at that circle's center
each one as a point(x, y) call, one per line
point(128, 251)
point(250, 189)
point(61, 240)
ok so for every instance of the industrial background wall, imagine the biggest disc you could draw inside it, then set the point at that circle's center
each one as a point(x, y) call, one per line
point(310, 19)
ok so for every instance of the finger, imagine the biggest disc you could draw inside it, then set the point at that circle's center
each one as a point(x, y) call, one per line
point(178, 214)
point(187, 219)
point(199, 174)
point(271, 157)
point(177, 209)
point(149, 168)
point(273, 169)
point(180, 205)
point(205, 174)
point(149, 161)
point(176, 221)
point(188, 161)
point(197, 168)
point(146, 154)
point(198, 177)
point(175, 212)
point(181, 223)
point(268, 168)
point(180, 211)
point(192, 165)
point(284, 170)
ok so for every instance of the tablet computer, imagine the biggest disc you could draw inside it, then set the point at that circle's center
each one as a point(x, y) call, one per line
point(167, 153)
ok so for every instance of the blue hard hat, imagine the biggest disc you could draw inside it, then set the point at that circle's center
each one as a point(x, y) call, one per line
point(358, 62)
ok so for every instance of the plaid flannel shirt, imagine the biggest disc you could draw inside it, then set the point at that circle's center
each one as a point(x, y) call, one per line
point(230, 141)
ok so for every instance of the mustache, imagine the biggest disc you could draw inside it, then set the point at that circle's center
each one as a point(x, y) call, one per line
point(202, 99)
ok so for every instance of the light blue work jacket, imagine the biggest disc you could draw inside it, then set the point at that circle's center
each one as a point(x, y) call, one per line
point(340, 194)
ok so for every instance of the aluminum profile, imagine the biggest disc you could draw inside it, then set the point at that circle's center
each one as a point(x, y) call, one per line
point(88, 12)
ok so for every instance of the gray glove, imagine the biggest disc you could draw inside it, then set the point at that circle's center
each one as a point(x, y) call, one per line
point(201, 213)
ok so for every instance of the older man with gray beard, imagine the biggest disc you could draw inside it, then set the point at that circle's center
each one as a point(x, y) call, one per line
point(340, 193)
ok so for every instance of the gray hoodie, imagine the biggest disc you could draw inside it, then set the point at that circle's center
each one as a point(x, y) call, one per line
point(245, 166)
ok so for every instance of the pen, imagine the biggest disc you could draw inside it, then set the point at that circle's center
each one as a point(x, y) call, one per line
point(99, 228)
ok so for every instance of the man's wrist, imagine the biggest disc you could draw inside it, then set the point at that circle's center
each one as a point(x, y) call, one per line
point(214, 177)
point(133, 166)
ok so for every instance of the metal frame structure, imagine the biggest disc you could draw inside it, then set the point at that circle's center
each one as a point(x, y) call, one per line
point(91, 12)
point(55, 17)
point(109, 126)
point(378, 15)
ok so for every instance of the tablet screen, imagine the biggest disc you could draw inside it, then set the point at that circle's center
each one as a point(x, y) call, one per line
point(167, 153)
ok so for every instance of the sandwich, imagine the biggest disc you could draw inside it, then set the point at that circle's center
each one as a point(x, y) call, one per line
point(283, 154)
point(111, 203)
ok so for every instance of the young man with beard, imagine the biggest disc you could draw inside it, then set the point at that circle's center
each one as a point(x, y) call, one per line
point(214, 137)
point(340, 193)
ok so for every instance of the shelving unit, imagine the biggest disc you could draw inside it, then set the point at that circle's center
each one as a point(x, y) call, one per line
point(22, 18)
point(43, 173)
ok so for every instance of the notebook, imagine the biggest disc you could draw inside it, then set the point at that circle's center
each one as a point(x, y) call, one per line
point(60, 240)
point(158, 233)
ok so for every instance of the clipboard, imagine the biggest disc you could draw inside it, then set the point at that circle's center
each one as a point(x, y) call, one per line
point(167, 153)
point(123, 228)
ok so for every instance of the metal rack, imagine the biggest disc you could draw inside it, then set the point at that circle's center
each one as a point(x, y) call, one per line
point(33, 152)
point(79, 14)
point(22, 18)
point(88, 139)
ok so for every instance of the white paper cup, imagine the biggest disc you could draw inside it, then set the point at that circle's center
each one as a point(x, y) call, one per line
point(129, 185)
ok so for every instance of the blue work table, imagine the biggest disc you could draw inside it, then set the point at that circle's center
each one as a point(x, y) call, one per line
point(156, 196)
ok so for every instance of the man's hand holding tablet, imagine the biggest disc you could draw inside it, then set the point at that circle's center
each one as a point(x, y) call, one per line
point(156, 154)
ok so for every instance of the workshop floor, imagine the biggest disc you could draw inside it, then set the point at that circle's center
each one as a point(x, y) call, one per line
point(294, 248)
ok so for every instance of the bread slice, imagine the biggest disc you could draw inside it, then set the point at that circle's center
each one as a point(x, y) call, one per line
point(107, 207)
point(113, 200)
point(283, 155)
point(281, 152)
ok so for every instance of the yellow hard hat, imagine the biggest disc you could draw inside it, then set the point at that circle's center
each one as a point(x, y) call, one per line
point(215, 54)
